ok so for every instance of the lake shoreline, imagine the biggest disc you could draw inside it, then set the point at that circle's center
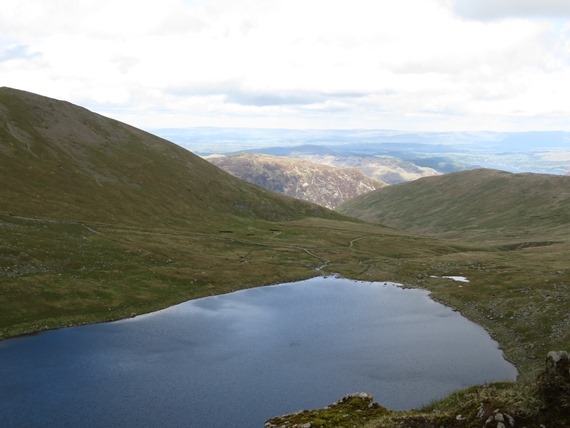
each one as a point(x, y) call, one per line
point(311, 342)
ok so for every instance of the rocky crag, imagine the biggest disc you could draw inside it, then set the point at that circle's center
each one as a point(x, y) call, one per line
point(324, 185)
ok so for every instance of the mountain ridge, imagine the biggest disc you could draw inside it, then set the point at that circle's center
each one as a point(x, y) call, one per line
point(54, 149)
point(101, 221)
point(474, 203)
point(324, 185)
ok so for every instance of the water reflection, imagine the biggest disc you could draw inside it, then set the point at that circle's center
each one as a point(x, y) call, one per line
point(238, 359)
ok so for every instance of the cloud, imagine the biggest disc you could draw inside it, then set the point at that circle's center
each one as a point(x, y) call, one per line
point(16, 52)
point(502, 9)
point(125, 63)
point(274, 98)
point(294, 63)
point(237, 92)
point(284, 98)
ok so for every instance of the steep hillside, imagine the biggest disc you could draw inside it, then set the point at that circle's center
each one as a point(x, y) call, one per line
point(478, 204)
point(63, 161)
point(321, 184)
point(101, 221)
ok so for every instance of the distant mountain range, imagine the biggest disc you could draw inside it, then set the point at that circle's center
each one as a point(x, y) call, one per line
point(321, 184)
point(101, 221)
point(390, 157)
point(386, 169)
point(541, 152)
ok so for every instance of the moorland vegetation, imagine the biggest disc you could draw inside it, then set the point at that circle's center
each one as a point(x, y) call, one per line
point(101, 221)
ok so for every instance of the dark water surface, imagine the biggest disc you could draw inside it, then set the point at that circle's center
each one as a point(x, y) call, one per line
point(237, 359)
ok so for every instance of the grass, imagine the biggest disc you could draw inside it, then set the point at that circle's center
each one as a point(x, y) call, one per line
point(522, 403)
point(56, 273)
point(345, 413)
point(519, 276)
point(479, 206)
point(100, 221)
point(531, 404)
point(516, 262)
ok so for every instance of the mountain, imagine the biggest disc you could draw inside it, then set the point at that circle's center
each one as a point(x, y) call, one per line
point(539, 152)
point(385, 168)
point(101, 221)
point(477, 204)
point(389, 170)
point(321, 184)
point(60, 160)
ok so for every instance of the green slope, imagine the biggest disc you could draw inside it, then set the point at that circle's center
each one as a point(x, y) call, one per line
point(479, 204)
point(63, 161)
point(519, 285)
point(100, 221)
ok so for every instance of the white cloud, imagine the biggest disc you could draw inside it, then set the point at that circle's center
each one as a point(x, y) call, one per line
point(411, 64)
point(502, 9)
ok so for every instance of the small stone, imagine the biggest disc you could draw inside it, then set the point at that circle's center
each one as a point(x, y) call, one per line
point(556, 361)
point(501, 425)
point(459, 417)
point(510, 419)
point(499, 417)
point(480, 412)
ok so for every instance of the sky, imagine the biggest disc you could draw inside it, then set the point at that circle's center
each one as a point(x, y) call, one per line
point(410, 65)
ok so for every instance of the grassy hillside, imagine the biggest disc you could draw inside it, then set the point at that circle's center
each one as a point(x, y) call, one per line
point(477, 205)
point(63, 161)
point(518, 289)
point(100, 221)
point(520, 286)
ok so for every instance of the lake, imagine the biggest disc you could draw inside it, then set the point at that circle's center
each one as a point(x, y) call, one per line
point(241, 358)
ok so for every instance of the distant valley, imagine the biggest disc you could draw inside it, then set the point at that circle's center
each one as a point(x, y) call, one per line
point(539, 152)
point(389, 157)
point(102, 221)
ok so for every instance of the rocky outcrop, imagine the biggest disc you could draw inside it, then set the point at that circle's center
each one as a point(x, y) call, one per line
point(554, 382)
point(544, 403)
point(497, 419)
point(351, 410)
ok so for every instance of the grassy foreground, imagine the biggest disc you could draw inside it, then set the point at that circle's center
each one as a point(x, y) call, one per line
point(100, 221)
point(519, 275)
point(520, 295)
point(57, 273)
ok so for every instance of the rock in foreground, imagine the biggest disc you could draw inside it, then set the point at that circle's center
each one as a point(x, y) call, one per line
point(349, 411)
point(543, 403)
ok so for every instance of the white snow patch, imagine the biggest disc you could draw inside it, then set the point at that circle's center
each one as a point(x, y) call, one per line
point(454, 278)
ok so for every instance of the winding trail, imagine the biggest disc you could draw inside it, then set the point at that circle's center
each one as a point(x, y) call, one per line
point(351, 243)
point(325, 261)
